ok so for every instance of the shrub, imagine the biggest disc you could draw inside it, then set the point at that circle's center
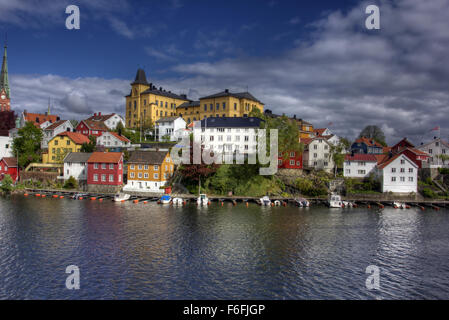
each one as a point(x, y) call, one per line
point(428, 193)
point(443, 170)
point(7, 184)
point(71, 183)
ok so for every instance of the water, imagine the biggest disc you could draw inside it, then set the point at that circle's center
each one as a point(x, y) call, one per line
point(148, 251)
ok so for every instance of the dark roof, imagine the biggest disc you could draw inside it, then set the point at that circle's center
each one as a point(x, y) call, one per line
point(141, 78)
point(10, 161)
point(227, 93)
point(231, 122)
point(100, 117)
point(165, 119)
point(164, 93)
point(361, 157)
point(189, 104)
point(77, 157)
point(147, 157)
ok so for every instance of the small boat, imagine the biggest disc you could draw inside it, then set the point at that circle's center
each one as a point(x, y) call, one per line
point(265, 201)
point(334, 201)
point(119, 197)
point(178, 201)
point(202, 200)
point(301, 202)
point(165, 199)
point(277, 203)
point(348, 204)
point(399, 205)
point(78, 195)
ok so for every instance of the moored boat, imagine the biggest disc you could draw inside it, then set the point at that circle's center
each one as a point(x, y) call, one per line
point(165, 199)
point(265, 201)
point(178, 201)
point(301, 202)
point(334, 201)
point(202, 200)
point(277, 203)
point(119, 197)
point(78, 195)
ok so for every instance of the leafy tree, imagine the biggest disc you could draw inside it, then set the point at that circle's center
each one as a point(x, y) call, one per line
point(375, 133)
point(337, 155)
point(27, 144)
point(71, 183)
point(89, 147)
point(7, 184)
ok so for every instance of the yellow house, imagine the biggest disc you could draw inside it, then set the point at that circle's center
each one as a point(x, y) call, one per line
point(222, 104)
point(146, 104)
point(306, 130)
point(149, 170)
point(62, 144)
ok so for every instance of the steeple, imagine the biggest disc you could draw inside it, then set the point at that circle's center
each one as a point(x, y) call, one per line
point(4, 82)
point(48, 112)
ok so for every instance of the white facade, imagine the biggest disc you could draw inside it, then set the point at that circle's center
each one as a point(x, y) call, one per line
point(317, 155)
point(50, 132)
point(435, 149)
point(111, 140)
point(170, 127)
point(6, 147)
point(358, 169)
point(144, 186)
point(113, 121)
point(78, 170)
point(399, 176)
point(227, 141)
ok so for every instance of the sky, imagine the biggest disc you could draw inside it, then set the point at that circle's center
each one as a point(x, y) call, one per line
point(312, 59)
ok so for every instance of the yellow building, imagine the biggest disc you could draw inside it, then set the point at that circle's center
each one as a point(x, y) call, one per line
point(305, 129)
point(62, 144)
point(149, 170)
point(146, 104)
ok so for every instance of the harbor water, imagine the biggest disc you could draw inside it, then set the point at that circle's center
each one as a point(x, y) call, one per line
point(151, 251)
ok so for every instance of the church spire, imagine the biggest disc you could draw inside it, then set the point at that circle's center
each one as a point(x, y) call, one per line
point(4, 82)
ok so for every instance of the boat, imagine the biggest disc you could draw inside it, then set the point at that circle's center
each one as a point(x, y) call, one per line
point(399, 205)
point(334, 201)
point(202, 200)
point(277, 203)
point(165, 199)
point(78, 195)
point(178, 201)
point(301, 202)
point(265, 201)
point(348, 204)
point(119, 197)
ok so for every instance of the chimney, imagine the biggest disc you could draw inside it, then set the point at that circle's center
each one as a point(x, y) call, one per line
point(294, 116)
point(160, 88)
point(95, 114)
point(227, 90)
point(99, 113)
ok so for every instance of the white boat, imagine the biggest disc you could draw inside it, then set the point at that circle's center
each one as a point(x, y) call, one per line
point(178, 201)
point(348, 204)
point(202, 200)
point(399, 205)
point(78, 195)
point(301, 202)
point(165, 199)
point(277, 203)
point(121, 197)
point(334, 201)
point(265, 201)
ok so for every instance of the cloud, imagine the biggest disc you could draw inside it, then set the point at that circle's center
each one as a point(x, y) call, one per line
point(294, 21)
point(121, 28)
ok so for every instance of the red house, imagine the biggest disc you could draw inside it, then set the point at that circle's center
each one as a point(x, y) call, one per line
point(294, 161)
point(105, 171)
point(9, 166)
point(91, 128)
point(407, 148)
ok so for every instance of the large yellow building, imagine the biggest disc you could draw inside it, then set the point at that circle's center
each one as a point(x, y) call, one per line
point(63, 144)
point(146, 104)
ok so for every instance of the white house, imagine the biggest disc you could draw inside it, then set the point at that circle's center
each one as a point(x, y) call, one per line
point(228, 135)
point(171, 128)
point(398, 174)
point(435, 148)
point(110, 120)
point(113, 140)
point(327, 134)
point(6, 147)
point(317, 154)
point(75, 165)
point(359, 165)
point(54, 129)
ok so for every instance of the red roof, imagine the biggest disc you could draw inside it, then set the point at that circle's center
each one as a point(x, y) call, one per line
point(404, 143)
point(306, 141)
point(76, 137)
point(105, 157)
point(122, 138)
point(95, 125)
point(10, 161)
point(55, 125)
point(361, 157)
point(380, 157)
point(100, 117)
point(387, 161)
point(369, 142)
point(39, 118)
point(417, 152)
point(320, 131)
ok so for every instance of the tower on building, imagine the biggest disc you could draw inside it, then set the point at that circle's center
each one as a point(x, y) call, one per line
point(5, 103)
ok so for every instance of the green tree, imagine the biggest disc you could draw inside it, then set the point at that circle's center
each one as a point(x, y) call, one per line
point(89, 147)
point(71, 183)
point(27, 144)
point(7, 184)
point(337, 154)
point(375, 133)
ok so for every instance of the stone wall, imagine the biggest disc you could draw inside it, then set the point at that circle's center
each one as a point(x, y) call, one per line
point(38, 176)
point(98, 188)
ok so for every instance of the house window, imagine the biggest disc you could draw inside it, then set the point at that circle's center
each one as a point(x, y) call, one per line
point(103, 166)
point(111, 166)
point(140, 175)
point(402, 161)
point(119, 178)
point(103, 178)
point(348, 171)
point(402, 169)
point(131, 175)
point(410, 179)
point(146, 167)
point(132, 167)
point(430, 151)
point(95, 165)
point(402, 179)
point(156, 176)
point(140, 167)
point(156, 167)
point(111, 178)
point(95, 177)
point(145, 175)
point(393, 179)
point(292, 154)
point(279, 162)
point(361, 172)
point(292, 162)
point(410, 170)
point(315, 147)
point(315, 155)
point(393, 170)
